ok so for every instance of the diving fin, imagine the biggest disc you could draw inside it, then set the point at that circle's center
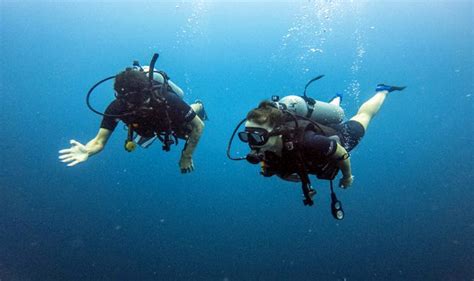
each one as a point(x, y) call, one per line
point(383, 87)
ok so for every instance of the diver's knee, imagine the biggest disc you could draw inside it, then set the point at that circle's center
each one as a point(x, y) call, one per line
point(197, 107)
point(363, 119)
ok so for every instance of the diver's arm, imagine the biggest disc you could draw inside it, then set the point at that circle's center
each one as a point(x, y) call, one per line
point(96, 144)
point(343, 162)
point(329, 149)
point(186, 163)
point(79, 153)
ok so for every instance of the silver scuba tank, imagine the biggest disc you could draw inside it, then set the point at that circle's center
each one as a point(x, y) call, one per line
point(158, 77)
point(321, 112)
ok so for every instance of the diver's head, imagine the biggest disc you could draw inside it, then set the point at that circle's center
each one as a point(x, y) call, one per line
point(132, 87)
point(260, 127)
point(266, 114)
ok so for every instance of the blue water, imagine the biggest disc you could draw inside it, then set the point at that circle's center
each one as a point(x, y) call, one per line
point(133, 216)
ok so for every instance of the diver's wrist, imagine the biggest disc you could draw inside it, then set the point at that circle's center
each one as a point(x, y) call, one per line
point(346, 174)
point(186, 155)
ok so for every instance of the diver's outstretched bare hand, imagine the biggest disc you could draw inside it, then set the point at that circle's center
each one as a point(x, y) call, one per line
point(74, 155)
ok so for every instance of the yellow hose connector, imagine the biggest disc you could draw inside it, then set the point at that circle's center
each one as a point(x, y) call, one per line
point(130, 146)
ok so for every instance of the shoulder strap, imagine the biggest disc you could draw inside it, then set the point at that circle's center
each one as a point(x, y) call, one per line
point(310, 102)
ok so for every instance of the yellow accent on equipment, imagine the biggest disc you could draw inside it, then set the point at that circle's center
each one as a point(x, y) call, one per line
point(130, 146)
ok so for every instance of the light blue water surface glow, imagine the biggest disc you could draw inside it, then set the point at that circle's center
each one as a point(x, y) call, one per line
point(133, 216)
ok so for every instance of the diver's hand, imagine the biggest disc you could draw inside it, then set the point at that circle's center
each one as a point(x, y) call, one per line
point(186, 164)
point(74, 155)
point(345, 182)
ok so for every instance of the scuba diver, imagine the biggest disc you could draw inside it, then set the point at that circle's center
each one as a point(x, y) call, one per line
point(152, 107)
point(298, 136)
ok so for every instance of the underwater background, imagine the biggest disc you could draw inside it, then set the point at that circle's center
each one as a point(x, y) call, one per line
point(133, 216)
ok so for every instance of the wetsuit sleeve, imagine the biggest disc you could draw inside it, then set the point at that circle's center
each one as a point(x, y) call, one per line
point(179, 110)
point(318, 146)
point(109, 122)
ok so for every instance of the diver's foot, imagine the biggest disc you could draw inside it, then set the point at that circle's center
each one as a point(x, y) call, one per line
point(202, 113)
point(336, 100)
point(383, 87)
point(311, 193)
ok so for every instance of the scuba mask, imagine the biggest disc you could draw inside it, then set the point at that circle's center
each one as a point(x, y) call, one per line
point(255, 136)
point(138, 103)
point(134, 98)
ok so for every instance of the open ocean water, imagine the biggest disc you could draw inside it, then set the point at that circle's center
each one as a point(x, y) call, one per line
point(133, 216)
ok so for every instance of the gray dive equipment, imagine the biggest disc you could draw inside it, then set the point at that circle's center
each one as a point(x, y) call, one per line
point(297, 108)
point(321, 112)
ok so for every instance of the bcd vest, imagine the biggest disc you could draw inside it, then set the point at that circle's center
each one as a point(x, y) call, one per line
point(293, 160)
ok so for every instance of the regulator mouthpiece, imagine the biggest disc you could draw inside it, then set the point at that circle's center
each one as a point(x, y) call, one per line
point(255, 157)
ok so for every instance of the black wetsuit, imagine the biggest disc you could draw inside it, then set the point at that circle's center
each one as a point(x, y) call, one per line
point(314, 150)
point(177, 116)
point(318, 146)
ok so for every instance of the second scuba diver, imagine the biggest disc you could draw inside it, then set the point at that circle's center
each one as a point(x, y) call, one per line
point(152, 107)
point(293, 141)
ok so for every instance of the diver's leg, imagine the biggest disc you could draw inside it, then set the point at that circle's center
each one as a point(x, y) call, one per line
point(368, 110)
point(198, 107)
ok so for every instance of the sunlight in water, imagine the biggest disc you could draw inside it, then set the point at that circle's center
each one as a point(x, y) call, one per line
point(312, 29)
point(195, 24)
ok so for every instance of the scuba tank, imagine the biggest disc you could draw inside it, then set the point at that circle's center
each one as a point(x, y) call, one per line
point(318, 111)
point(158, 77)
